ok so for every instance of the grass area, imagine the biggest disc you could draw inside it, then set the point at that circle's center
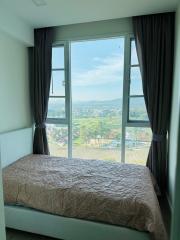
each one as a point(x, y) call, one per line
point(133, 155)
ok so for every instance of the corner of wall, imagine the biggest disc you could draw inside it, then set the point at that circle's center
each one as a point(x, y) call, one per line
point(174, 124)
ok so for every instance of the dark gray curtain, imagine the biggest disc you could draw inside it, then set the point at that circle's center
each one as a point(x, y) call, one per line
point(40, 86)
point(154, 37)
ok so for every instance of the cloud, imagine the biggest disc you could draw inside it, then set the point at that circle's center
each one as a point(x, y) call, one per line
point(107, 70)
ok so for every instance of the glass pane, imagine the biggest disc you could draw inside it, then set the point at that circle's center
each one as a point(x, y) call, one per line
point(138, 141)
point(136, 82)
point(58, 140)
point(56, 108)
point(97, 86)
point(137, 109)
point(134, 58)
point(58, 57)
point(57, 87)
point(97, 139)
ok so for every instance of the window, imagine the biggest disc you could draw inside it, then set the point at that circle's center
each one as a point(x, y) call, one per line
point(58, 139)
point(137, 109)
point(97, 85)
point(136, 134)
point(137, 141)
point(57, 105)
point(58, 108)
point(96, 105)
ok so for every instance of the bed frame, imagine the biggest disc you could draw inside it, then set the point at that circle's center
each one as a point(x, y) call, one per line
point(16, 144)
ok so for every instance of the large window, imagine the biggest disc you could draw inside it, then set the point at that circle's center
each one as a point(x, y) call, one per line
point(96, 105)
point(97, 86)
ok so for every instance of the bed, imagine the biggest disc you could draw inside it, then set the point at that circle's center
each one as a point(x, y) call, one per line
point(75, 198)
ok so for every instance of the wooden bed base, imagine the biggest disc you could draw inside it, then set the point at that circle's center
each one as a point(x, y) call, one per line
point(16, 144)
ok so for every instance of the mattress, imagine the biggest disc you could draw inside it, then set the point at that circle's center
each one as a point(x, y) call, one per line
point(113, 193)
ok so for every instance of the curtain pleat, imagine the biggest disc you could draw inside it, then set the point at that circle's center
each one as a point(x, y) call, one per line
point(40, 86)
point(154, 37)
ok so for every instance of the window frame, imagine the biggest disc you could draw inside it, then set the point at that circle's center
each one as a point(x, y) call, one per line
point(137, 123)
point(67, 120)
point(126, 122)
point(65, 69)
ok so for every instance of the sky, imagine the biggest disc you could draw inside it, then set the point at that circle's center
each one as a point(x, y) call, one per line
point(96, 70)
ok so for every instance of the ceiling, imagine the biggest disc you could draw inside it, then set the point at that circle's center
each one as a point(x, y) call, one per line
point(62, 12)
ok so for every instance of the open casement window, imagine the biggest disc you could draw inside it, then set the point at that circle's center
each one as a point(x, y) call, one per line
point(136, 134)
point(83, 124)
point(58, 107)
point(136, 105)
point(57, 96)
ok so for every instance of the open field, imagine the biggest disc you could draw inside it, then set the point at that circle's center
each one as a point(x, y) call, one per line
point(133, 155)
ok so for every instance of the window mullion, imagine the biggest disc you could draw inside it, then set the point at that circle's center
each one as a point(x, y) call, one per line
point(136, 96)
point(142, 124)
point(51, 96)
point(62, 121)
point(68, 96)
point(134, 65)
point(125, 94)
point(58, 69)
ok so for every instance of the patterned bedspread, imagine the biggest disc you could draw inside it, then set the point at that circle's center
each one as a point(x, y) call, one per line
point(114, 193)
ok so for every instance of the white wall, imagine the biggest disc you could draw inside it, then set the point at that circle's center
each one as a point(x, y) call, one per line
point(175, 112)
point(98, 29)
point(175, 230)
point(15, 26)
point(14, 94)
point(2, 228)
point(14, 84)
